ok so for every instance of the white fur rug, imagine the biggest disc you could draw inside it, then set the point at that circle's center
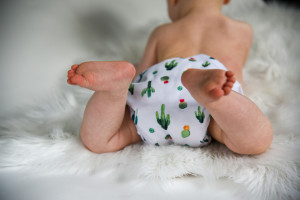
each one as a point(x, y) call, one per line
point(44, 138)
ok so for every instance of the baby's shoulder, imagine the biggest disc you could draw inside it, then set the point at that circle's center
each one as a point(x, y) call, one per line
point(246, 28)
point(239, 31)
point(241, 27)
point(162, 29)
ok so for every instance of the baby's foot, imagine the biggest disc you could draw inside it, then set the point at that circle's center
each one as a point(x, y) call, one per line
point(102, 76)
point(208, 85)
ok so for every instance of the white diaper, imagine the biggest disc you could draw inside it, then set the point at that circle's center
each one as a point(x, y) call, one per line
point(163, 109)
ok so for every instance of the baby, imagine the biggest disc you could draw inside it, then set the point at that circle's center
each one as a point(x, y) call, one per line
point(181, 93)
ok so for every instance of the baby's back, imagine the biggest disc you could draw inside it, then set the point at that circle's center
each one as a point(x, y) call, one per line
point(223, 38)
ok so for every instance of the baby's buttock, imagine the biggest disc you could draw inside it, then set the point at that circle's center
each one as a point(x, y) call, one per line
point(163, 109)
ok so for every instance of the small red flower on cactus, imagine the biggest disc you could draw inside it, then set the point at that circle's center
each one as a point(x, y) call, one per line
point(181, 100)
point(165, 79)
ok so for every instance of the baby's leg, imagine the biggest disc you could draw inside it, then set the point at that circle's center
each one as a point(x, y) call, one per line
point(237, 121)
point(106, 124)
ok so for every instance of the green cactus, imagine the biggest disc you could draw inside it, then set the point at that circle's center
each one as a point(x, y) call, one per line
point(164, 78)
point(163, 121)
point(131, 88)
point(168, 137)
point(151, 130)
point(206, 64)
point(171, 65)
point(186, 131)
point(141, 76)
point(205, 139)
point(182, 104)
point(134, 117)
point(148, 90)
point(200, 115)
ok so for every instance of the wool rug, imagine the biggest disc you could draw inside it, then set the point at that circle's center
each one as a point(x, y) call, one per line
point(43, 138)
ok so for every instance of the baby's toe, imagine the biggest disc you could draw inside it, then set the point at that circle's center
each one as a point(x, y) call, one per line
point(71, 73)
point(77, 80)
point(231, 79)
point(227, 90)
point(229, 74)
point(228, 84)
point(74, 67)
point(70, 82)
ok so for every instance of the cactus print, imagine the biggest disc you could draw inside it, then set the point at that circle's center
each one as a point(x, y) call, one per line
point(149, 90)
point(200, 115)
point(151, 130)
point(131, 89)
point(164, 121)
point(182, 104)
point(186, 132)
point(165, 79)
point(168, 137)
point(162, 108)
point(206, 139)
point(171, 65)
point(206, 64)
point(134, 117)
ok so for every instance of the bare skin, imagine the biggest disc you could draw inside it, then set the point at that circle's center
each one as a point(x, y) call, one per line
point(106, 125)
point(237, 122)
